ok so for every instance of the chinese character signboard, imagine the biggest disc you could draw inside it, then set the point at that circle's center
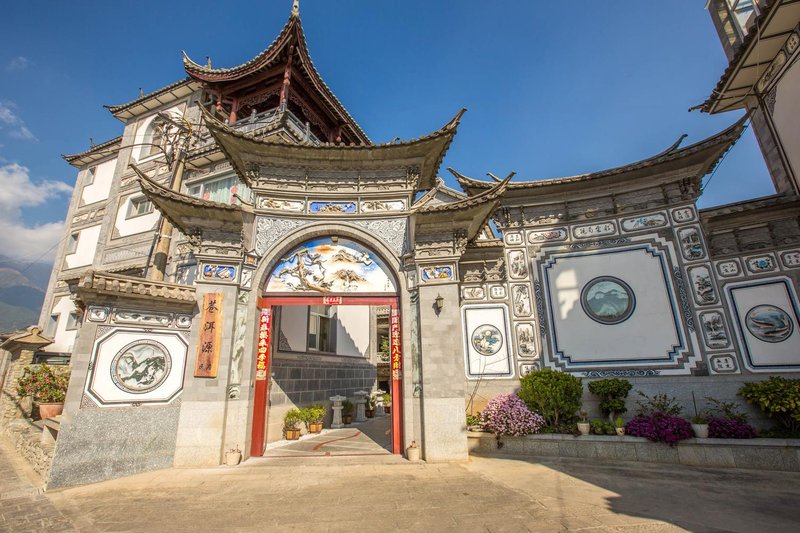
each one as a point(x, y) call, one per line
point(262, 353)
point(210, 337)
point(396, 354)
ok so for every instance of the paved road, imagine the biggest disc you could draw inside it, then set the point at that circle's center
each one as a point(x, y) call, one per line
point(368, 494)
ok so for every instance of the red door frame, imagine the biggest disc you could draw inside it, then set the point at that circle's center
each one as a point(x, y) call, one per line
point(264, 357)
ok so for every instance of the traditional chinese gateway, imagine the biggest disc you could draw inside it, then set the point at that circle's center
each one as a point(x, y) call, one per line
point(244, 248)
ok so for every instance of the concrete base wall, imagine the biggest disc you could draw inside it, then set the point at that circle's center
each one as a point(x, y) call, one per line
point(101, 444)
point(444, 430)
point(762, 454)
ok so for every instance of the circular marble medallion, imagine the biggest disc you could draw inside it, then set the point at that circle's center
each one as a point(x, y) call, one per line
point(769, 323)
point(487, 340)
point(608, 300)
point(141, 366)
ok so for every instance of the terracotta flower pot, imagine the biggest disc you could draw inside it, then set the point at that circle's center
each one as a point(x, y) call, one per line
point(387, 409)
point(315, 427)
point(347, 419)
point(292, 434)
point(370, 413)
point(49, 410)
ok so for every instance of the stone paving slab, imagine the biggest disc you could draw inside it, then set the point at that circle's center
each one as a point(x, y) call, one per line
point(330, 494)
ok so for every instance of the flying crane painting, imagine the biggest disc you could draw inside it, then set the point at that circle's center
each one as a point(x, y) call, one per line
point(330, 265)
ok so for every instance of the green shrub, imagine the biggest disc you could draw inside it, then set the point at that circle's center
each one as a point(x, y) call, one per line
point(45, 384)
point(348, 407)
point(612, 393)
point(658, 403)
point(602, 427)
point(312, 414)
point(779, 398)
point(554, 395)
point(292, 419)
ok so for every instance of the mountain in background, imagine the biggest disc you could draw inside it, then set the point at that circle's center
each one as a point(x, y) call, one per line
point(22, 289)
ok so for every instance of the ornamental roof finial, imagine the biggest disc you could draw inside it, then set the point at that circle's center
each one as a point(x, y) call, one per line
point(295, 8)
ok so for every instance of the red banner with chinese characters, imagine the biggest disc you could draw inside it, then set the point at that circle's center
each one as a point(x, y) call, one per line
point(396, 354)
point(208, 346)
point(262, 354)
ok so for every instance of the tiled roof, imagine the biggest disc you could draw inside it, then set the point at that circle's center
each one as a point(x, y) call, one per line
point(95, 153)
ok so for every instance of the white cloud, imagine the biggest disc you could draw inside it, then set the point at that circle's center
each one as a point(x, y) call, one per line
point(17, 191)
point(17, 125)
point(18, 63)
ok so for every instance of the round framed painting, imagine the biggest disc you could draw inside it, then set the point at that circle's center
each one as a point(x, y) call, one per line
point(608, 300)
point(141, 366)
point(769, 323)
point(487, 339)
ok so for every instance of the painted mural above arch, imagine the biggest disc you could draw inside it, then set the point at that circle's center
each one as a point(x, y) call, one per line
point(331, 265)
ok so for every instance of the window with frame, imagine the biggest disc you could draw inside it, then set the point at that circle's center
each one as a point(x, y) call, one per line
point(72, 243)
point(320, 328)
point(72, 322)
point(139, 206)
point(52, 324)
point(219, 190)
point(89, 179)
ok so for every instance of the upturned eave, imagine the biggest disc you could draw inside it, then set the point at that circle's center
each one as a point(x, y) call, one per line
point(94, 154)
point(96, 286)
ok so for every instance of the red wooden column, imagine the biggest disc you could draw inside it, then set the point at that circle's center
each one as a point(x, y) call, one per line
point(397, 379)
point(262, 382)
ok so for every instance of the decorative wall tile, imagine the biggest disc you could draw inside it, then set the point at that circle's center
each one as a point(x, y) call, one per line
point(497, 292)
point(729, 269)
point(372, 206)
point(591, 231)
point(791, 259)
point(473, 293)
point(517, 265)
point(527, 368)
point(761, 263)
point(723, 364)
point(332, 207)
point(644, 222)
point(691, 244)
point(521, 297)
point(219, 272)
point(97, 314)
point(552, 235)
point(487, 341)
point(141, 317)
point(432, 273)
point(526, 340)
point(714, 332)
point(513, 238)
point(702, 285)
point(281, 205)
point(682, 215)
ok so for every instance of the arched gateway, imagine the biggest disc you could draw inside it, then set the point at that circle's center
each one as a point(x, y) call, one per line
point(319, 333)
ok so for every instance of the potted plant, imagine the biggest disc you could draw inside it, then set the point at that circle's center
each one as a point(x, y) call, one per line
point(619, 425)
point(347, 412)
point(612, 393)
point(369, 409)
point(699, 421)
point(46, 386)
point(583, 425)
point(387, 403)
point(233, 456)
point(312, 417)
point(291, 424)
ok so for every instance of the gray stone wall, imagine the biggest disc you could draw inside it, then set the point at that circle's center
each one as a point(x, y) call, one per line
point(100, 444)
point(306, 381)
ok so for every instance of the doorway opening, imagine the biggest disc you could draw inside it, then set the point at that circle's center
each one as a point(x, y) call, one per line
point(330, 335)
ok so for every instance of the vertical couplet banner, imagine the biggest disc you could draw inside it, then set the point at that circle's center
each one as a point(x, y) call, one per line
point(396, 359)
point(264, 331)
point(208, 346)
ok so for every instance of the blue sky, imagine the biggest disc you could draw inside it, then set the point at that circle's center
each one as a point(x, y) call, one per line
point(552, 88)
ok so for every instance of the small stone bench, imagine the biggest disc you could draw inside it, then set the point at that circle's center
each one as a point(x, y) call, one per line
point(761, 454)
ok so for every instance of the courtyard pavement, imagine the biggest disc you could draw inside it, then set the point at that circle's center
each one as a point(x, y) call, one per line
point(368, 494)
point(371, 437)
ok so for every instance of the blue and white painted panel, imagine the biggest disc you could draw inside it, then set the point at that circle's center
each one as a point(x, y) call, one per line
point(487, 341)
point(322, 265)
point(766, 315)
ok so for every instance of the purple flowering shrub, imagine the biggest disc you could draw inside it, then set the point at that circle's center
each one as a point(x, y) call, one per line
point(720, 427)
point(659, 427)
point(507, 414)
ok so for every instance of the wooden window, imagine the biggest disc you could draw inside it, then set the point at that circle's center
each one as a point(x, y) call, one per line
point(139, 206)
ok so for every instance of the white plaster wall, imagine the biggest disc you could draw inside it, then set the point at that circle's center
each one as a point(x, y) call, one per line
point(139, 153)
point(294, 326)
point(63, 339)
point(87, 245)
point(98, 190)
point(650, 331)
point(352, 330)
point(131, 226)
point(787, 109)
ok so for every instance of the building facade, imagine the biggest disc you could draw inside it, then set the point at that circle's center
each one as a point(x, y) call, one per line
point(244, 248)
